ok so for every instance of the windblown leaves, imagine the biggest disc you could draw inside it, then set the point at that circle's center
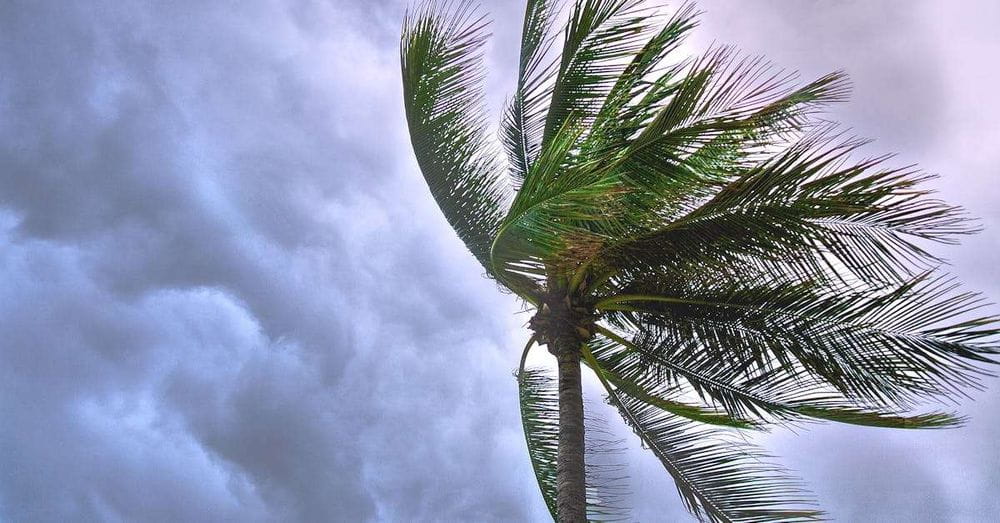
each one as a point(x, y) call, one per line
point(606, 490)
point(524, 120)
point(779, 394)
point(807, 207)
point(898, 347)
point(441, 56)
point(747, 265)
point(719, 478)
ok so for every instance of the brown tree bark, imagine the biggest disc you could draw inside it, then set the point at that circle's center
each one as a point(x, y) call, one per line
point(571, 487)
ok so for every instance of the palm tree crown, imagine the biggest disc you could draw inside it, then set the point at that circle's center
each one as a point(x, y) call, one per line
point(696, 235)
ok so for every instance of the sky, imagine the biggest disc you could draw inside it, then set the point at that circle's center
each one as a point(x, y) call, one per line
point(227, 295)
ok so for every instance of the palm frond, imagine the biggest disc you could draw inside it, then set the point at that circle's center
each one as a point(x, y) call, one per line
point(528, 237)
point(895, 348)
point(782, 394)
point(441, 58)
point(524, 119)
point(600, 35)
point(606, 475)
point(539, 400)
point(606, 488)
point(720, 479)
point(566, 207)
point(723, 92)
point(677, 148)
point(662, 396)
point(811, 210)
point(722, 120)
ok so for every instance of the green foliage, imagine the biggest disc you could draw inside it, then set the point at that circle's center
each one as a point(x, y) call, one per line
point(539, 400)
point(745, 267)
point(719, 478)
point(524, 120)
point(441, 57)
point(540, 418)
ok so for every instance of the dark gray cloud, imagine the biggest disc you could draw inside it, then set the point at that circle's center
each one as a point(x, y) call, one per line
point(225, 293)
point(217, 303)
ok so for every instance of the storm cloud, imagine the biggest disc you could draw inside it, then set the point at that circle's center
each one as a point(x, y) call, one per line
point(226, 294)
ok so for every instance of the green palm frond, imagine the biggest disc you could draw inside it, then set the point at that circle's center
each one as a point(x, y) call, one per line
point(612, 201)
point(718, 122)
point(782, 394)
point(441, 55)
point(599, 36)
point(693, 147)
point(723, 93)
point(634, 385)
point(540, 420)
point(625, 103)
point(720, 479)
point(893, 348)
point(539, 401)
point(524, 120)
point(808, 207)
point(527, 237)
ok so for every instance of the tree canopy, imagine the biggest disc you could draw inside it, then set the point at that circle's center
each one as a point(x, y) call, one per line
point(733, 260)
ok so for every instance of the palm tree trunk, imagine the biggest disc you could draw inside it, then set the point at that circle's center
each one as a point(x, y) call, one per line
point(571, 488)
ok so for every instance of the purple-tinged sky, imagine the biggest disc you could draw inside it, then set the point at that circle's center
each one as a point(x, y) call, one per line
point(226, 294)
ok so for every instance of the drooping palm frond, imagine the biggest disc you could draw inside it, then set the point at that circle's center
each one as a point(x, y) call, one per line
point(540, 420)
point(607, 478)
point(606, 486)
point(662, 397)
point(441, 55)
point(720, 479)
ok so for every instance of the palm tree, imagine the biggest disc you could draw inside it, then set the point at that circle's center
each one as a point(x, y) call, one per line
point(697, 236)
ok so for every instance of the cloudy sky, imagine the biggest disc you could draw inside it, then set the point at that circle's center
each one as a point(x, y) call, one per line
point(226, 294)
